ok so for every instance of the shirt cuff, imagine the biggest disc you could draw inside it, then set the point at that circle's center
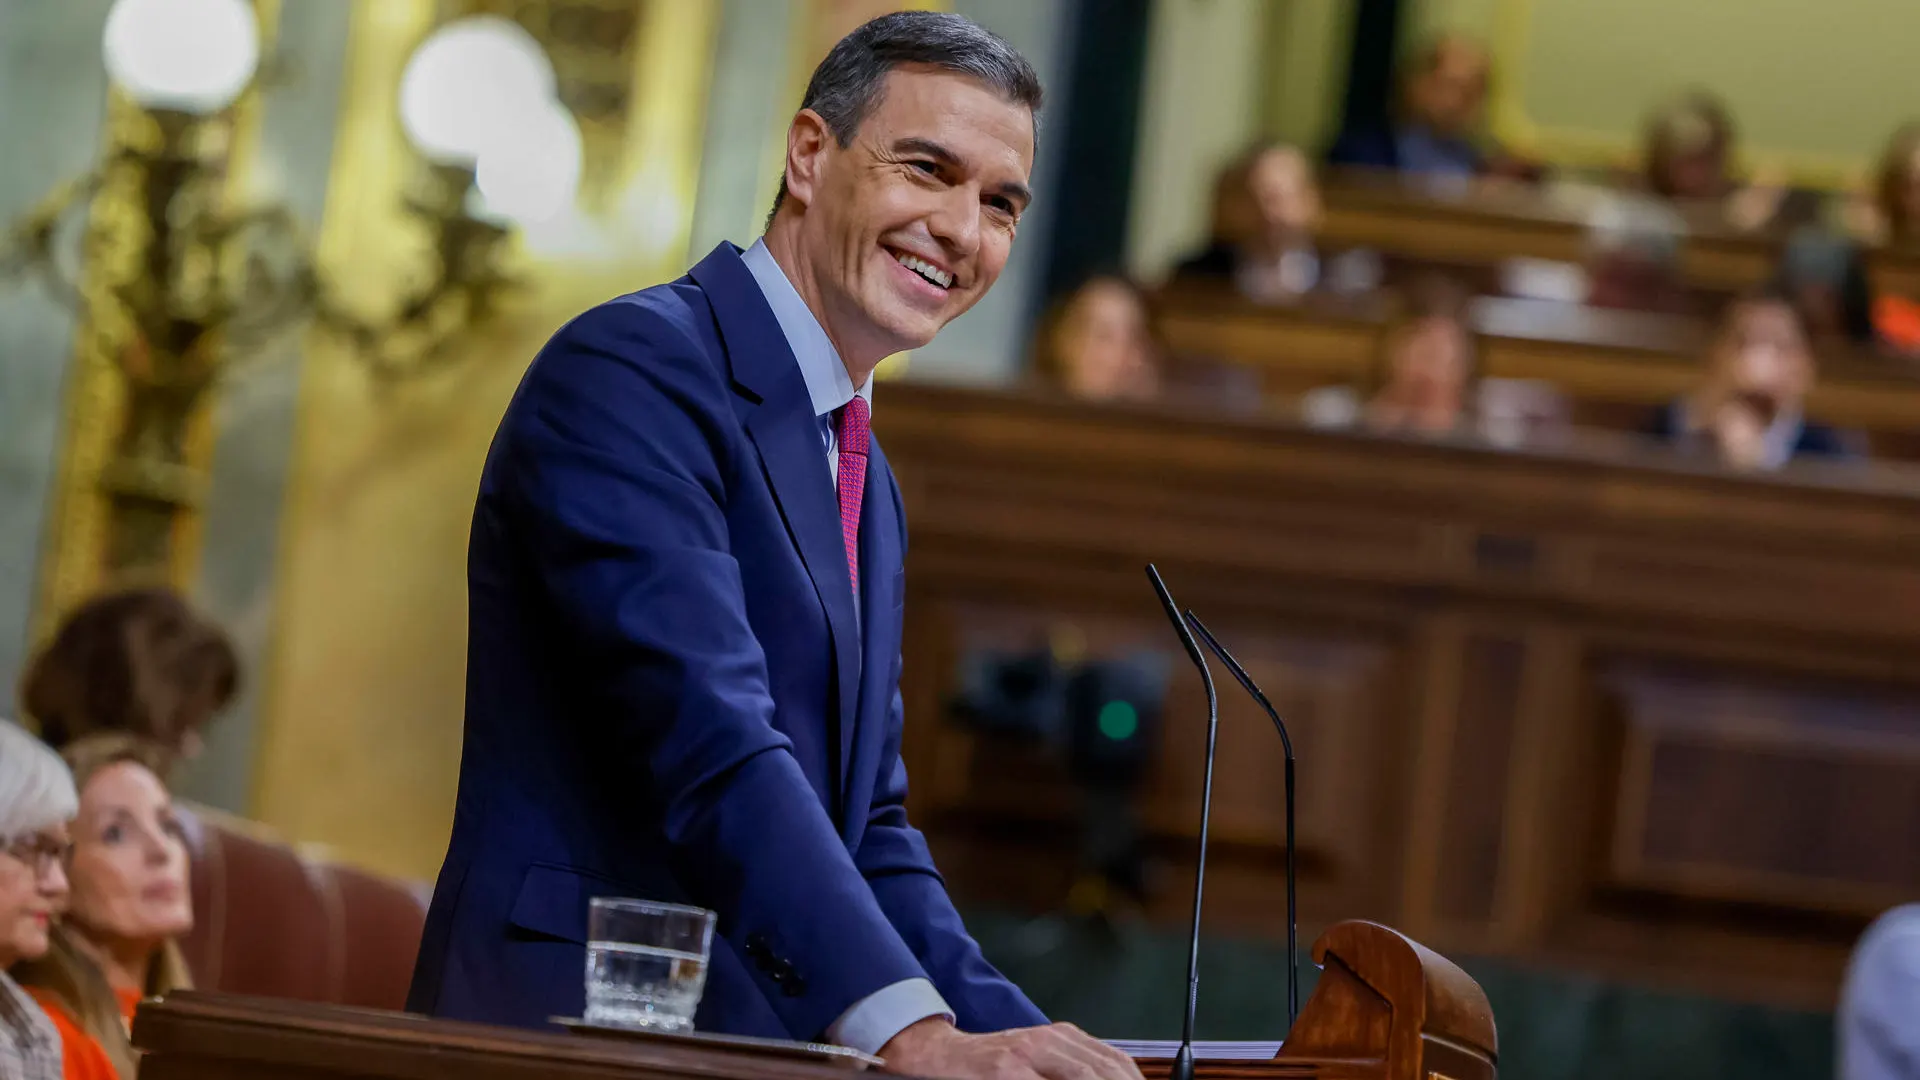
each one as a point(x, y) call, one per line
point(874, 1020)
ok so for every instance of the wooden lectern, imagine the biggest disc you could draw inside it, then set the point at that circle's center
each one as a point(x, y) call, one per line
point(1385, 1009)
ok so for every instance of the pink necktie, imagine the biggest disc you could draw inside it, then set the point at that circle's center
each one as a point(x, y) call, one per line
point(850, 428)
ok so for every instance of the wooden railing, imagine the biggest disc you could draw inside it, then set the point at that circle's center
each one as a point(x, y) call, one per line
point(1487, 224)
point(1385, 1009)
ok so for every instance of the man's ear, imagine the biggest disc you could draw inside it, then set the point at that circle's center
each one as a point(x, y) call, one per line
point(809, 140)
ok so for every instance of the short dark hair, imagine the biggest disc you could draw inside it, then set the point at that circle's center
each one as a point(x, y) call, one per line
point(849, 82)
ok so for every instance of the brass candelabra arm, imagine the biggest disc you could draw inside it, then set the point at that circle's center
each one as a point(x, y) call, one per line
point(467, 276)
point(30, 247)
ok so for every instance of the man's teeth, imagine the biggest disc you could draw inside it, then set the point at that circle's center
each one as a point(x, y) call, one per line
point(926, 270)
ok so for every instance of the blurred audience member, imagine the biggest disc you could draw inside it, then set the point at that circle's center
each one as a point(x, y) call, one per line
point(1266, 207)
point(36, 802)
point(1891, 215)
point(1749, 410)
point(1825, 276)
point(1098, 343)
point(1425, 374)
point(1633, 256)
point(1878, 1020)
point(1435, 126)
point(140, 662)
point(130, 901)
point(1690, 156)
point(1689, 149)
point(1428, 367)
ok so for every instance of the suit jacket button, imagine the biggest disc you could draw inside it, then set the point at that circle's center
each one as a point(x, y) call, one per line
point(793, 985)
point(756, 946)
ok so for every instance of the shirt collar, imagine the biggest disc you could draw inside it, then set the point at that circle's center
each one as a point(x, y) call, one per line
point(828, 383)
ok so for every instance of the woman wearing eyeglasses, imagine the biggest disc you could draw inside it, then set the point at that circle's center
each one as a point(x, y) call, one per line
point(130, 901)
point(37, 800)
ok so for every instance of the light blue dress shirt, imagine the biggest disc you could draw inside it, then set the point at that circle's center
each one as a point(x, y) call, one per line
point(828, 383)
point(875, 1019)
point(1879, 1016)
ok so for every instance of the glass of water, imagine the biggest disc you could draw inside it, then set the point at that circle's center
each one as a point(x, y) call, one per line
point(646, 963)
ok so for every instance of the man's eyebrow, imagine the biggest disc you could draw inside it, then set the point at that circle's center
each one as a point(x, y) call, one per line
point(1012, 189)
point(927, 148)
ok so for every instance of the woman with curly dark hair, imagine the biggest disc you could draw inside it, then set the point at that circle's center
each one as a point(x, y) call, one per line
point(141, 662)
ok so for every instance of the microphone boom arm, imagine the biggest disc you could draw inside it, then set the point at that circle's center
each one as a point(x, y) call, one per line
point(1183, 1061)
point(1286, 744)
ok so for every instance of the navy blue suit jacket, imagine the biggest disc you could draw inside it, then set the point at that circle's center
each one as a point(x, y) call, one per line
point(671, 696)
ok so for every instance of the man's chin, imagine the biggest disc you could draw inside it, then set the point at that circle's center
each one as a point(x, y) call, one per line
point(909, 330)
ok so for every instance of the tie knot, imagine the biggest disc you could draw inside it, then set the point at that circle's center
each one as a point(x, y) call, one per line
point(850, 427)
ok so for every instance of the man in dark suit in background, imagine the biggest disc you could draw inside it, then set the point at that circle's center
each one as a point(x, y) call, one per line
point(686, 594)
point(1749, 410)
point(1434, 125)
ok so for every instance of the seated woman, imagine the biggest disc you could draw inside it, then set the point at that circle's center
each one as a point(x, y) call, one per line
point(1748, 411)
point(1689, 159)
point(140, 662)
point(130, 900)
point(1098, 343)
point(1887, 211)
point(1891, 217)
point(36, 802)
point(1426, 374)
point(1266, 207)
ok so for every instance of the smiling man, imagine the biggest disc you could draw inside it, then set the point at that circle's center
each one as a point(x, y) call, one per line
point(686, 590)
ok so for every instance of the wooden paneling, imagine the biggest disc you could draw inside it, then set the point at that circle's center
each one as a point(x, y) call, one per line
point(1717, 770)
point(1584, 707)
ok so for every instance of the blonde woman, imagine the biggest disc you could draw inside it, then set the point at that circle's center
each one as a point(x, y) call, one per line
point(130, 901)
point(37, 800)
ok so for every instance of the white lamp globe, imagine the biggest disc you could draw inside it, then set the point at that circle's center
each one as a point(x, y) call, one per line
point(194, 56)
point(529, 171)
point(464, 79)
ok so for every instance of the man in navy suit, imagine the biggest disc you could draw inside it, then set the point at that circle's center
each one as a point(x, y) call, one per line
point(1749, 411)
point(686, 590)
point(1431, 131)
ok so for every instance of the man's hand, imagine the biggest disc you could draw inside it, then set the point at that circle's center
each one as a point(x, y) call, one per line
point(935, 1049)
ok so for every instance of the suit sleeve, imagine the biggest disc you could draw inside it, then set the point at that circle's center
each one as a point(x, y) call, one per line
point(614, 476)
point(894, 857)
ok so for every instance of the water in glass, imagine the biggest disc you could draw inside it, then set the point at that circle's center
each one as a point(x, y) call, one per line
point(646, 963)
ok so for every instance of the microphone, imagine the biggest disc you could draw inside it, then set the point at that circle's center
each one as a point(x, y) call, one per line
point(1293, 907)
point(1183, 1060)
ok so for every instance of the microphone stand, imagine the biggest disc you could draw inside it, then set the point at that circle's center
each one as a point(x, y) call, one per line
point(1286, 744)
point(1183, 1061)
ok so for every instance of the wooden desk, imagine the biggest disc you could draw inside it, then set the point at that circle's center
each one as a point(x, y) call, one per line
point(1488, 225)
point(1385, 1008)
point(1619, 365)
point(1632, 717)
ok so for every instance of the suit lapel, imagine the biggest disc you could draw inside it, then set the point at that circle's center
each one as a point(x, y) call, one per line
point(786, 433)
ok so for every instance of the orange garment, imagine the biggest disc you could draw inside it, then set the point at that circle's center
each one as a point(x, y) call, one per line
point(80, 1054)
point(1898, 321)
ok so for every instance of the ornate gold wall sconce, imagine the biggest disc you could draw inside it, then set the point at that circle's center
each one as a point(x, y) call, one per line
point(177, 288)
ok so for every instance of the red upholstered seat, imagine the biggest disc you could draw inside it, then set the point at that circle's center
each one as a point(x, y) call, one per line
point(271, 922)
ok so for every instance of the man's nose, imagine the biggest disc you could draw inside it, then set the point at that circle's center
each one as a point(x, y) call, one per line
point(955, 223)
